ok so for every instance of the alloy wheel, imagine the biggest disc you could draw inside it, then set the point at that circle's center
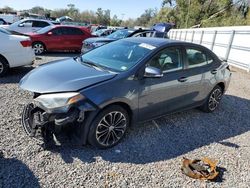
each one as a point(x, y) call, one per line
point(38, 48)
point(111, 128)
point(214, 99)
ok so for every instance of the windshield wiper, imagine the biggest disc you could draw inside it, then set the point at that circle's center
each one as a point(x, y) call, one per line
point(92, 64)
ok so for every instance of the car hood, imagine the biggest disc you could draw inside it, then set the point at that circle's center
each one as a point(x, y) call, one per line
point(63, 76)
point(98, 39)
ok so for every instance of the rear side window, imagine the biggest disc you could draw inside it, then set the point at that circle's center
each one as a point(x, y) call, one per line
point(40, 24)
point(197, 58)
point(73, 31)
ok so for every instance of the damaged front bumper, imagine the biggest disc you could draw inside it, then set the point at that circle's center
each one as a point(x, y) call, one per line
point(36, 121)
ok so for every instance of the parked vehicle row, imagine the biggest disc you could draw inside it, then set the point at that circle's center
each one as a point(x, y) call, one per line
point(91, 43)
point(151, 77)
point(15, 51)
point(159, 30)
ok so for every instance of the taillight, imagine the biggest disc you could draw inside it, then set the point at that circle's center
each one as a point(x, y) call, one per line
point(26, 43)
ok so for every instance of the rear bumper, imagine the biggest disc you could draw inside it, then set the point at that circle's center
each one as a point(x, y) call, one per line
point(21, 58)
point(228, 80)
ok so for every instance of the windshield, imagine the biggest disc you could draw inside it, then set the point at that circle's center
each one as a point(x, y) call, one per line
point(120, 34)
point(44, 30)
point(2, 30)
point(118, 56)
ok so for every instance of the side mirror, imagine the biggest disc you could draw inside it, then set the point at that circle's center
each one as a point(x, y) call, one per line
point(152, 72)
point(21, 25)
point(50, 33)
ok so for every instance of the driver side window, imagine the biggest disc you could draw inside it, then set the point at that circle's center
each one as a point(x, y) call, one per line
point(167, 60)
point(57, 31)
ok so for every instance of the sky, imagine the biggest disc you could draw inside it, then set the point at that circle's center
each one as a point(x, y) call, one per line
point(123, 9)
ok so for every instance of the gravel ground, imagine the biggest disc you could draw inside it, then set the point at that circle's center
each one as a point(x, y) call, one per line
point(149, 156)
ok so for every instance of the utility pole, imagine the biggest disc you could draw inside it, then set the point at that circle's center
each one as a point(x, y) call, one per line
point(189, 4)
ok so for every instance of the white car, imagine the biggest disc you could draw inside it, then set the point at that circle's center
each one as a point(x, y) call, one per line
point(29, 25)
point(15, 51)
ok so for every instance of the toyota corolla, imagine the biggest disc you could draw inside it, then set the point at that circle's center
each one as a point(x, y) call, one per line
point(101, 93)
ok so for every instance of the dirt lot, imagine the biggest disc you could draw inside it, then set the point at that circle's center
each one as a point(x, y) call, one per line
point(149, 156)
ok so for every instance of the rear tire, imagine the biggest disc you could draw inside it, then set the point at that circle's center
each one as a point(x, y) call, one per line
point(109, 127)
point(38, 47)
point(4, 66)
point(213, 100)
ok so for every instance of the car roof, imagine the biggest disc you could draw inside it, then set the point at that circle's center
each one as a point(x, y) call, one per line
point(70, 26)
point(157, 42)
point(34, 19)
point(154, 41)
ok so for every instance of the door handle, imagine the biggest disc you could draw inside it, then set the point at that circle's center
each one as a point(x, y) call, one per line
point(214, 71)
point(182, 79)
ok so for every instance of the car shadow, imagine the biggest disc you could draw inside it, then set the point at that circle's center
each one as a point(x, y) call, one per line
point(14, 173)
point(170, 136)
point(14, 75)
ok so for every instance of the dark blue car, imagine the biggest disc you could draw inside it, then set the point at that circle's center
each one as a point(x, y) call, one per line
point(101, 93)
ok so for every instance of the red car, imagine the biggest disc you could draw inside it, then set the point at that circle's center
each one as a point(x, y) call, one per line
point(58, 38)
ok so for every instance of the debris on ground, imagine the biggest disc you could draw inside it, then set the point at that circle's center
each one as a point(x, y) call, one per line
point(204, 169)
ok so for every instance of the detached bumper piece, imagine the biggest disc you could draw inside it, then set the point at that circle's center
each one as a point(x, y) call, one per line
point(203, 169)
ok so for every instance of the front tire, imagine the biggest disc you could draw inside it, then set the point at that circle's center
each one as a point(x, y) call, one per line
point(4, 66)
point(213, 100)
point(38, 48)
point(109, 127)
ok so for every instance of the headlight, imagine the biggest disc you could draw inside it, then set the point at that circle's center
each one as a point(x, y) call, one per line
point(57, 100)
point(97, 44)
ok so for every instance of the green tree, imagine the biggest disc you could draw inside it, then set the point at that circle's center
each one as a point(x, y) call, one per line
point(129, 23)
point(115, 21)
point(7, 9)
point(203, 13)
point(103, 16)
point(145, 18)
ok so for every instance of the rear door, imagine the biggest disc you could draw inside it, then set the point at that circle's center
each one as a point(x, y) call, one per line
point(74, 38)
point(199, 73)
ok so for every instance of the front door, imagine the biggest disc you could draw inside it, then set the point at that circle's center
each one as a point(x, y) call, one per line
point(158, 96)
point(55, 39)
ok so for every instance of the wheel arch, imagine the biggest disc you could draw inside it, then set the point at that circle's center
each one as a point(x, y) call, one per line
point(124, 105)
point(222, 85)
point(93, 114)
point(1, 56)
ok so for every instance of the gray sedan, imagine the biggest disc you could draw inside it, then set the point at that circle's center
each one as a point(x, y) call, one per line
point(101, 93)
